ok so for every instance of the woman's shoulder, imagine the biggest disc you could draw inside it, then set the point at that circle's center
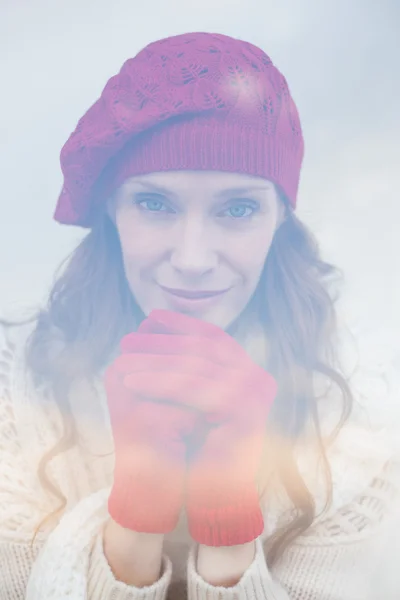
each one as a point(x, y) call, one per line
point(13, 343)
point(366, 450)
point(370, 360)
point(21, 499)
point(14, 337)
point(23, 396)
point(14, 375)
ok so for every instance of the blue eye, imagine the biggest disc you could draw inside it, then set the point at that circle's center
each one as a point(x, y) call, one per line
point(238, 212)
point(153, 205)
point(242, 210)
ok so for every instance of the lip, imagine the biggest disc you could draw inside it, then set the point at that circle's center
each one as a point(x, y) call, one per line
point(193, 294)
point(192, 300)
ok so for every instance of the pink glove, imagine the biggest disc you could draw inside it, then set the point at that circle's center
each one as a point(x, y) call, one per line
point(197, 365)
point(150, 451)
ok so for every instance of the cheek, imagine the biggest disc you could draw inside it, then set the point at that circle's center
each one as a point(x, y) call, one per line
point(138, 247)
point(252, 252)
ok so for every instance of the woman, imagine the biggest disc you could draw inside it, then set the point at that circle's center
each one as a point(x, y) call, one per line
point(177, 413)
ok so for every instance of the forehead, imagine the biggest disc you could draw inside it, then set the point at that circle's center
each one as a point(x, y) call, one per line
point(210, 182)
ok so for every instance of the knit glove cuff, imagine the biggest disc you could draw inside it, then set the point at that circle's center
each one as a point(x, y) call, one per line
point(235, 521)
point(155, 500)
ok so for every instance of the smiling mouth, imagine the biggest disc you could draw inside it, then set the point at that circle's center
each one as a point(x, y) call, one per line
point(193, 295)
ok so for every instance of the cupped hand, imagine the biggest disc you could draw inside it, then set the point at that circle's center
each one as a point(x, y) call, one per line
point(185, 362)
point(150, 449)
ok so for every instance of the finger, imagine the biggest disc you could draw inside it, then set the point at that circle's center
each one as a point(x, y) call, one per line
point(162, 421)
point(152, 326)
point(221, 352)
point(159, 343)
point(203, 386)
point(198, 393)
point(167, 363)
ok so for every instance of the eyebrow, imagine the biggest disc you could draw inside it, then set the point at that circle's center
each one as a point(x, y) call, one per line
point(222, 194)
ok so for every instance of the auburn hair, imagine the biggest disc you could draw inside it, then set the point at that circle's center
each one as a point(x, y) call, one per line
point(91, 307)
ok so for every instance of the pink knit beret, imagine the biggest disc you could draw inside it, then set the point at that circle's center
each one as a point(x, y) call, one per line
point(196, 101)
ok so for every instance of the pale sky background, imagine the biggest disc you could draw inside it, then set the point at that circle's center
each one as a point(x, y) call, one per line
point(341, 59)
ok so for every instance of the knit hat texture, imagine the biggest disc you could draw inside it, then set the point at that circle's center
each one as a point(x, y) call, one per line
point(196, 101)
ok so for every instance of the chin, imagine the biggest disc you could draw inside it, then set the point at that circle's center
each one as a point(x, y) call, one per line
point(220, 319)
point(222, 315)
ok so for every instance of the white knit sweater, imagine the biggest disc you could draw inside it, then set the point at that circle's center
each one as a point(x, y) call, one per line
point(348, 554)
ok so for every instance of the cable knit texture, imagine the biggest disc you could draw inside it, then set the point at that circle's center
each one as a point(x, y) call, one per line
point(196, 101)
point(345, 555)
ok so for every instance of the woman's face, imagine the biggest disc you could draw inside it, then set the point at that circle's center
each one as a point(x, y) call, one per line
point(195, 232)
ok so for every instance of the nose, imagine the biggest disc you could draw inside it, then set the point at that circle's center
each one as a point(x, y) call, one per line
point(193, 250)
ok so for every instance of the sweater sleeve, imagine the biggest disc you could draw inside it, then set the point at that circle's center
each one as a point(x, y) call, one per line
point(69, 563)
point(72, 563)
point(353, 554)
point(256, 584)
point(102, 583)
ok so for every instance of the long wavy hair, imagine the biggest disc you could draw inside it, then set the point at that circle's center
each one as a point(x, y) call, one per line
point(90, 307)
